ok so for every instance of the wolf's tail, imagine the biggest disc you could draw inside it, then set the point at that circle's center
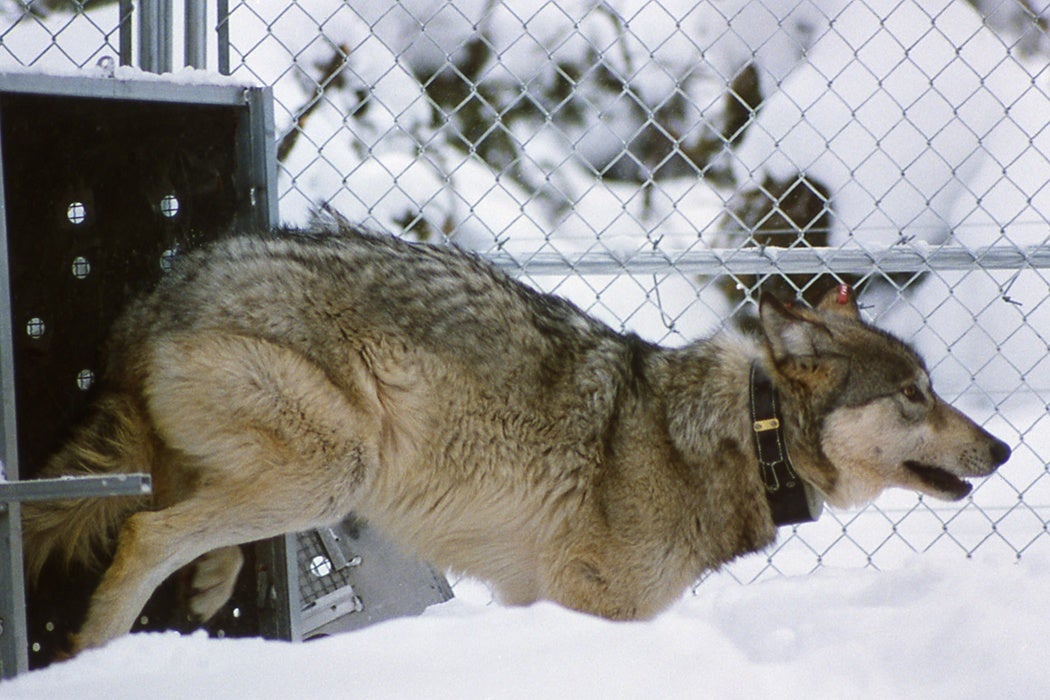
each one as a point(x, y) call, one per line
point(114, 439)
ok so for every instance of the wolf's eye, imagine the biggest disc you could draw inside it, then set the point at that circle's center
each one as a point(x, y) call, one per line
point(912, 393)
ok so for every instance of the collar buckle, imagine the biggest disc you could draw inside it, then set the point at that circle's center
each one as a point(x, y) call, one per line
point(764, 425)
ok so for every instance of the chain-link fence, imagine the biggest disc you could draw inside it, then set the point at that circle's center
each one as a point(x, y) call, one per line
point(658, 161)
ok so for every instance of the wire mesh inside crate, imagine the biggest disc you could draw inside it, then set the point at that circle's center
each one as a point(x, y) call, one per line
point(318, 574)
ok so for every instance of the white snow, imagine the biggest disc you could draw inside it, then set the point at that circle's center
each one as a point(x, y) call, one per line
point(936, 628)
point(106, 69)
point(919, 119)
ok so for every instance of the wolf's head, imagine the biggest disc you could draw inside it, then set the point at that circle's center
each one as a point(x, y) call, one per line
point(878, 421)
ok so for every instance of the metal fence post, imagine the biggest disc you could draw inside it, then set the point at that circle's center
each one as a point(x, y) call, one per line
point(125, 31)
point(222, 28)
point(196, 31)
point(155, 36)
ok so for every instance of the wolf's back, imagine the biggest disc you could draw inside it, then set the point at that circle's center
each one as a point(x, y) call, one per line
point(324, 294)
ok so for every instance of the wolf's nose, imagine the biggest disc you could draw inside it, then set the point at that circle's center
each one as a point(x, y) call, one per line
point(1000, 452)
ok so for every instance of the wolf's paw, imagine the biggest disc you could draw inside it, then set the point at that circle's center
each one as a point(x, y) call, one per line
point(214, 577)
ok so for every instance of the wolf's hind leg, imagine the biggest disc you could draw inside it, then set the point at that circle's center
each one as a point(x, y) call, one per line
point(214, 576)
point(152, 546)
point(272, 446)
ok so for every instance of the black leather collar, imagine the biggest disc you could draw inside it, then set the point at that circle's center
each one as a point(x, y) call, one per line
point(789, 498)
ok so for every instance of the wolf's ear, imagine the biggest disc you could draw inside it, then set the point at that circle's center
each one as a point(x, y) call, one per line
point(840, 300)
point(789, 333)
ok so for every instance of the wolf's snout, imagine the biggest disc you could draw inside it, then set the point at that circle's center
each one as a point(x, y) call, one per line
point(1000, 452)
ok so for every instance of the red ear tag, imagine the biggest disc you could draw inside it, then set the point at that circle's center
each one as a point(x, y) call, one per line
point(845, 292)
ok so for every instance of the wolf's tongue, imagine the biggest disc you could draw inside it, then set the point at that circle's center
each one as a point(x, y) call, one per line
point(947, 483)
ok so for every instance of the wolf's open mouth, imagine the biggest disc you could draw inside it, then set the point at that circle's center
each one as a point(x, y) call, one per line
point(947, 483)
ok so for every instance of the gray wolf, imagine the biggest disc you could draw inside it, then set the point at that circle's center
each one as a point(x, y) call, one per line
point(274, 383)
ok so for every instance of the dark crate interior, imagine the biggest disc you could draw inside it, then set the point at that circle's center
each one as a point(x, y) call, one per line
point(100, 195)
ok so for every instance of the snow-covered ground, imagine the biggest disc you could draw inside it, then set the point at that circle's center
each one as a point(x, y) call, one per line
point(936, 628)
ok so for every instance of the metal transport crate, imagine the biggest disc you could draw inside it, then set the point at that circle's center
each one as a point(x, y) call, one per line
point(103, 181)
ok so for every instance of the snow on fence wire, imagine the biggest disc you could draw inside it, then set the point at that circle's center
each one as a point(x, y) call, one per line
point(660, 161)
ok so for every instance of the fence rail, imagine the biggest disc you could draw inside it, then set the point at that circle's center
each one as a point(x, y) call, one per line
point(773, 260)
